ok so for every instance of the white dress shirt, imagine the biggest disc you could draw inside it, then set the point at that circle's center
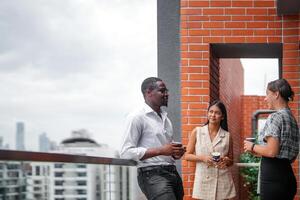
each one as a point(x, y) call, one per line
point(146, 129)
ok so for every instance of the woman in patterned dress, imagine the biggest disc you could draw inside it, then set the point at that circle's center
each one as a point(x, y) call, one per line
point(279, 145)
point(213, 180)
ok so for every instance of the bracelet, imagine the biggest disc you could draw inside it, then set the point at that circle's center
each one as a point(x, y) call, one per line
point(252, 147)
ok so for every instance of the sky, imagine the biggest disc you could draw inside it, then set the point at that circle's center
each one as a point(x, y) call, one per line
point(73, 64)
point(78, 64)
point(257, 74)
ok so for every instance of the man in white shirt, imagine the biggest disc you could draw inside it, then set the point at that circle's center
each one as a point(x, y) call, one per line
point(148, 139)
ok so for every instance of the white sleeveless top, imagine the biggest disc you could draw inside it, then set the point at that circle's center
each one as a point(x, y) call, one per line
point(212, 183)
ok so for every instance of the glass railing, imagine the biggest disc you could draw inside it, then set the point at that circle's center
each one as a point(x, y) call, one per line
point(55, 176)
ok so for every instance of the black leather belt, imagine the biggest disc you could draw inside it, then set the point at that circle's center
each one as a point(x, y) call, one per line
point(170, 168)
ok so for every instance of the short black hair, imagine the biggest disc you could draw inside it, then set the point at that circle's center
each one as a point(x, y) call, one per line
point(283, 87)
point(149, 83)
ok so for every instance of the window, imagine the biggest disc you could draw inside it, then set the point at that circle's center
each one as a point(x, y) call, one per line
point(57, 183)
point(58, 174)
point(81, 183)
point(81, 174)
point(81, 191)
point(37, 170)
point(81, 166)
point(59, 192)
point(58, 165)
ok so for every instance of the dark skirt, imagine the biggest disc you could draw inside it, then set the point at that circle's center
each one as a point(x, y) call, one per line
point(277, 179)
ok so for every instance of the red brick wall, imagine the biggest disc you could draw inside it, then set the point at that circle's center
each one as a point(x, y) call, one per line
point(231, 90)
point(237, 21)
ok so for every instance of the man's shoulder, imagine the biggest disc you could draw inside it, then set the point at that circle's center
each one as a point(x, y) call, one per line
point(136, 113)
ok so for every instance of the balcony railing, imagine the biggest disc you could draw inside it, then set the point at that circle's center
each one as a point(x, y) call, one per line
point(113, 169)
point(10, 155)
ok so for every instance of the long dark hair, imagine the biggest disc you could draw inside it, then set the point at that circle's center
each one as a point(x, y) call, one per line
point(283, 87)
point(222, 107)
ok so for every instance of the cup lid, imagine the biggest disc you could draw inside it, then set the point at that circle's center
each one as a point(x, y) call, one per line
point(215, 153)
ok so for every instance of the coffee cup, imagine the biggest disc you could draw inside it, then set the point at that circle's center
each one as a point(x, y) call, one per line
point(177, 143)
point(250, 139)
point(216, 156)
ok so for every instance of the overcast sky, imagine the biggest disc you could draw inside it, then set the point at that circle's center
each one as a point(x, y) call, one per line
point(257, 74)
point(73, 64)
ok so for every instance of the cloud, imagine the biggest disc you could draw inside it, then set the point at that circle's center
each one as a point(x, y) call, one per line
point(74, 64)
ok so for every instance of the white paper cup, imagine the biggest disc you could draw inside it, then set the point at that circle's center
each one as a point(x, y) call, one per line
point(216, 156)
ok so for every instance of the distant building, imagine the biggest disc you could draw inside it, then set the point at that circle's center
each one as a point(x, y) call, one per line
point(55, 181)
point(12, 180)
point(2, 145)
point(20, 136)
point(1, 142)
point(53, 145)
point(44, 143)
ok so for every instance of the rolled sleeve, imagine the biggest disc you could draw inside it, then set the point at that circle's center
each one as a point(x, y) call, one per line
point(273, 127)
point(129, 147)
point(133, 153)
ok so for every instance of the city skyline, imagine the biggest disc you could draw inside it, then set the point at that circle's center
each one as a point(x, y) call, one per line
point(45, 143)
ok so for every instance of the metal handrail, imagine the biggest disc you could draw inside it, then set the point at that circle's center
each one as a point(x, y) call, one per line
point(12, 155)
point(254, 119)
point(247, 164)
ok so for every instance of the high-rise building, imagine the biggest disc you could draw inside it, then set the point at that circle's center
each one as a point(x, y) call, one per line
point(20, 136)
point(44, 143)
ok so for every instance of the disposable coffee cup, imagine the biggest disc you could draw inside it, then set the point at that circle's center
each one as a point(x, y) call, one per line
point(177, 143)
point(216, 156)
point(250, 139)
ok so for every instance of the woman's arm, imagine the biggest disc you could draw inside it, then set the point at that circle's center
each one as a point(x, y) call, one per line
point(190, 151)
point(271, 149)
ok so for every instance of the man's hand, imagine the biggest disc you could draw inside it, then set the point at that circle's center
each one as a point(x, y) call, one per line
point(175, 150)
point(179, 153)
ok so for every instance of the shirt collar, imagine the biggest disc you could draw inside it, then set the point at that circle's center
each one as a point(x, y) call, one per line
point(148, 109)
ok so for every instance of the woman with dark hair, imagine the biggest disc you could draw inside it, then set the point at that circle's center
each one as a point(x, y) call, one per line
point(279, 145)
point(210, 146)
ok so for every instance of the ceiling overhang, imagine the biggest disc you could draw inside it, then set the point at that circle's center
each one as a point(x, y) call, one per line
point(248, 50)
point(288, 7)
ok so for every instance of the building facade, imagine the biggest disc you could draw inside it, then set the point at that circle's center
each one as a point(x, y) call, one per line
point(12, 181)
